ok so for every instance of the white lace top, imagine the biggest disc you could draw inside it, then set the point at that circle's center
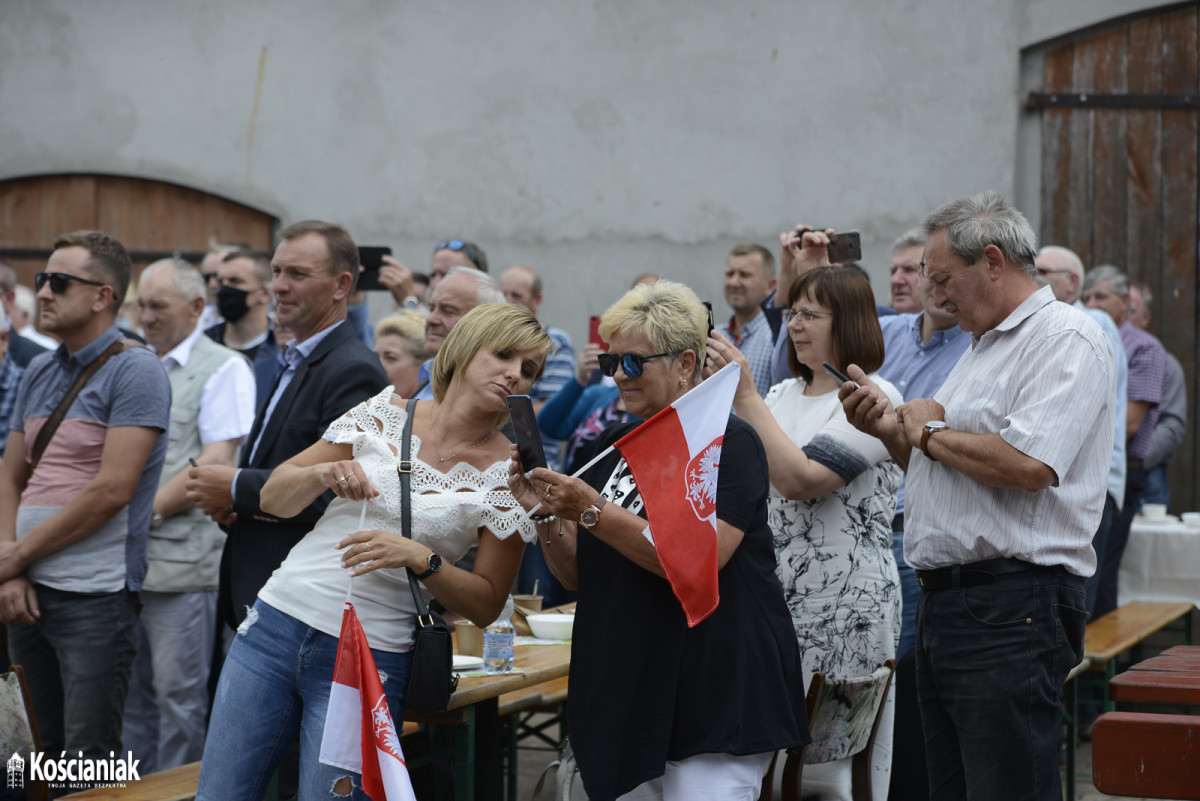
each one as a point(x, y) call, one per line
point(448, 512)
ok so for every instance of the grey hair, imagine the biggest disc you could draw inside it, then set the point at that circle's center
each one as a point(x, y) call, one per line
point(1070, 258)
point(487, 290)
point(1117, 281)
point(912, 238)
point(973, 222)
point(187, 278)
point(1147, 295)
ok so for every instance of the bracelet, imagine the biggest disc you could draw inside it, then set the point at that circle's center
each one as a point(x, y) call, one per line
point(543, 518)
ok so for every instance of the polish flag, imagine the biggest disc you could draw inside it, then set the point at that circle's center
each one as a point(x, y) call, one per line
point(674, 457)
point(359, 733)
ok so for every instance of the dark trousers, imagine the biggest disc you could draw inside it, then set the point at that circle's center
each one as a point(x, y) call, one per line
point(1118, 537)
point(1100, 545)
point(991, 662)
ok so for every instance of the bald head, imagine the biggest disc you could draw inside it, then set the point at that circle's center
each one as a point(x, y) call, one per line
point(1063, 270)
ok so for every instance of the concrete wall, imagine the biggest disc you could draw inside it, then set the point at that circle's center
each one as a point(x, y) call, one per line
point(593, 141)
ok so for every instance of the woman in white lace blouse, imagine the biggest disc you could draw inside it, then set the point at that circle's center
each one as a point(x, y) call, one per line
point(278, 672)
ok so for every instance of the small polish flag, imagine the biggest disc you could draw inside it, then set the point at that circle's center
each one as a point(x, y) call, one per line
point(674, 457)
point(359, 733)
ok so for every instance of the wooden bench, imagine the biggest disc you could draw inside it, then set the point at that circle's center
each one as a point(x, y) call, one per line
point(1126, 629)
point(1147, 755)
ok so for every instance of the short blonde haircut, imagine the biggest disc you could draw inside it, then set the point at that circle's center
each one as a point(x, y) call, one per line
point(668, 313)
point(497, 326)
point(410, 327)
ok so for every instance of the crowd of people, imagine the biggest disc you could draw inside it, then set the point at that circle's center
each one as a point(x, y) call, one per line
point(195, 464)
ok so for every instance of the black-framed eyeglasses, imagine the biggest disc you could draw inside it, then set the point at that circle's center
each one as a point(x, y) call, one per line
point(458, 245)
point(59, 282)
point(631, 363)
point(804, 313)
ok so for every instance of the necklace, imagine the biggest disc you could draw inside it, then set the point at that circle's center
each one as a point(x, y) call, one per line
point(438, 451)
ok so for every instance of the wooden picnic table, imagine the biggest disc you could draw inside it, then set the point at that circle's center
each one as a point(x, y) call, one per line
point(1172, 677)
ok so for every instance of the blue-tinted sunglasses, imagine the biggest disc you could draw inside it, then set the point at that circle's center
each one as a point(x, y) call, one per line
point(458, 245)
point(631, 363)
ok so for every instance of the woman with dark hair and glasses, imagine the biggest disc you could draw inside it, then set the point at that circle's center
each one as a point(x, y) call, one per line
point(659, 710)
point(834, 494)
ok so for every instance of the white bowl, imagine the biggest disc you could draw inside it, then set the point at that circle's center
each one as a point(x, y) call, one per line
point(1154, 511)
point(551, 626)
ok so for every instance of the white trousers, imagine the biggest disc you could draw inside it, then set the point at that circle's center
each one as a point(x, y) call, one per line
point(719, 777)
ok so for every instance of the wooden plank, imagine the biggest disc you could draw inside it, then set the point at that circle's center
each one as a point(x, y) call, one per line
point(176, 784)
point(1179, 318)
point(1156, 687)
point(1078, 164)
point(1143, 223)
point(1109, 158)
point(1123, 628)
point(1147, 756)
point(1056, 148)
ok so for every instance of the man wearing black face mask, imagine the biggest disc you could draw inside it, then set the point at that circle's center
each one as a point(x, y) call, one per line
point(244, 300)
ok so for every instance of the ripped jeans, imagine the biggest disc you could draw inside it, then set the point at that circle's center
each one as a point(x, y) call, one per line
point(276, 680)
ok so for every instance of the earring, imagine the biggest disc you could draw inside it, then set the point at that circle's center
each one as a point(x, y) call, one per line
point(683, 382)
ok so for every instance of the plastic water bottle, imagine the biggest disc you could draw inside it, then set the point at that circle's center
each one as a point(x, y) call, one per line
point(498, 642)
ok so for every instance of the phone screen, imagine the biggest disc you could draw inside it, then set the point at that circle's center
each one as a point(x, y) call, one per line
point(838, 375)
point(371, 259)
point(844, 247)
point(594, 333)
point(525, 429)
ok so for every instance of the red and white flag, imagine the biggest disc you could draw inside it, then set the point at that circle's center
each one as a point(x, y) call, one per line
point(359, 733)
point(674, 457)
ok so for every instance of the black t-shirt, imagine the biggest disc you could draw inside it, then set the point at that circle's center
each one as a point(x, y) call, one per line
point(645, 688)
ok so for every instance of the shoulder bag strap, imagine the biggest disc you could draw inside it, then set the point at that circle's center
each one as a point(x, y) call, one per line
point(60, 412)
point(404, 468)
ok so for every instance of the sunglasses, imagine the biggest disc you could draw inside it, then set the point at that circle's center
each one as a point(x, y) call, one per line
point(457, 245)
point(631, 363)
point(59, 282)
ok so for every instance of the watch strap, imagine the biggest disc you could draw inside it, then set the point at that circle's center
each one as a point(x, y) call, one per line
point(926, 432)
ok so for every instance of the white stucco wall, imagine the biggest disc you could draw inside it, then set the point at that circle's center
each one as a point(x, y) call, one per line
point(593, 141)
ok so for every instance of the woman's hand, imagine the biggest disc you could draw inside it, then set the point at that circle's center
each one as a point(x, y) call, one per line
point(370, 550)
point(720, 352)
point(560, 495)
point(521, 488)
point(347, 479)
point(587, 363)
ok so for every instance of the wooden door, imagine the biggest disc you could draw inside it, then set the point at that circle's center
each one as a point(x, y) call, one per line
point(152, 219)
point(1119, 179)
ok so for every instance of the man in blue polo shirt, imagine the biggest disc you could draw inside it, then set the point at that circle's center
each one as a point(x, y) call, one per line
point(73, 526)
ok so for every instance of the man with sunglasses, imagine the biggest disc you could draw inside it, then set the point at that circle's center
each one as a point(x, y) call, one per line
point(447, 254)
point(73, 527)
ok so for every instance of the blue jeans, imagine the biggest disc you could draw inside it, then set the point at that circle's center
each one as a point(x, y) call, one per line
point(1100, 546)
point(276, 681)
point(991, 662)
point(77, 659)
point(1157, 490)
point(909, 595)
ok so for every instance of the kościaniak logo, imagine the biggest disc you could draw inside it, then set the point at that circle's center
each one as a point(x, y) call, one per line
point(702, 479)
point(76, 773)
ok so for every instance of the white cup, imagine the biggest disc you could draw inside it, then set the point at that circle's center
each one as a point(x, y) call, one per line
point(1154, 511)
point(1191, 519)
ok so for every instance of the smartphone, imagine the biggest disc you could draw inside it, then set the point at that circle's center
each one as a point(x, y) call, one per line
point(594, 333)
point(844, 247)
point(838, 375)
point(711, 322)
point(371, 259)
point(525, 430)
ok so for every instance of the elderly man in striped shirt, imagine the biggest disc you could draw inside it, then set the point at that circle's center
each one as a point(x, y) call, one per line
point(1007, 473)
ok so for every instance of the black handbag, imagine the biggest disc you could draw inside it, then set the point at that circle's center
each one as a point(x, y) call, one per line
point(431, 680)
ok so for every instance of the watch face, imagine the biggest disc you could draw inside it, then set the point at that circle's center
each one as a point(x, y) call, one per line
point(435, 562)
point(589, 516)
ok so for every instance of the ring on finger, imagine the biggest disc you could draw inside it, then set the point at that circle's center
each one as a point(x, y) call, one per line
point(366, 546)
point(343, 479)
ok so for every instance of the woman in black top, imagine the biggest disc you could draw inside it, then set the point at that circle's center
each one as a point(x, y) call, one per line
point(658, 709)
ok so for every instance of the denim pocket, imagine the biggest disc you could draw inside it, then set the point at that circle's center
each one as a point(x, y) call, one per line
point(996, 605)
point(1070, 621)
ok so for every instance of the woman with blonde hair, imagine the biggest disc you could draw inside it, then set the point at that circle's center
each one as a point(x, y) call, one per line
point(400, 346)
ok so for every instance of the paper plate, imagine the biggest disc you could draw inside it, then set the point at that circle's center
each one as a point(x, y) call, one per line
point(462, 662)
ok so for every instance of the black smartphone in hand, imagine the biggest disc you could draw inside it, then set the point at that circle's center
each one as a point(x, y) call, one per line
point(371, 259)
point(838, 375)
point(525, 429)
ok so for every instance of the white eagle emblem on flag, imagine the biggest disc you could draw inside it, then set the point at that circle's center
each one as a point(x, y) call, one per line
point(385, 729)
point(702, 479)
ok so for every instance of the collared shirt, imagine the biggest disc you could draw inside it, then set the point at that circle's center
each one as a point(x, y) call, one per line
point(227, 400)
point(1116, 470)
point(1043, 380)
point(1147, 374)
point(756, 344)
point(918, 368)
point(560, 369)
point(131, 389)
point(10, 377)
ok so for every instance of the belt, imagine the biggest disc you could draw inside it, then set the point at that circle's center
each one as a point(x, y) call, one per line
point(976, 574)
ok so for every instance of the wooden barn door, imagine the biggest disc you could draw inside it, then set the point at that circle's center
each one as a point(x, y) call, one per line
point(1119, 180)
point(151, 218)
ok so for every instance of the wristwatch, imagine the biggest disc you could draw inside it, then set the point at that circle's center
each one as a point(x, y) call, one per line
point(435, 564)
point(591, 515)
point(931, 428)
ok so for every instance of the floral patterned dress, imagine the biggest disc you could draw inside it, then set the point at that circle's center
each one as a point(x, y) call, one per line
point(835, 552)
